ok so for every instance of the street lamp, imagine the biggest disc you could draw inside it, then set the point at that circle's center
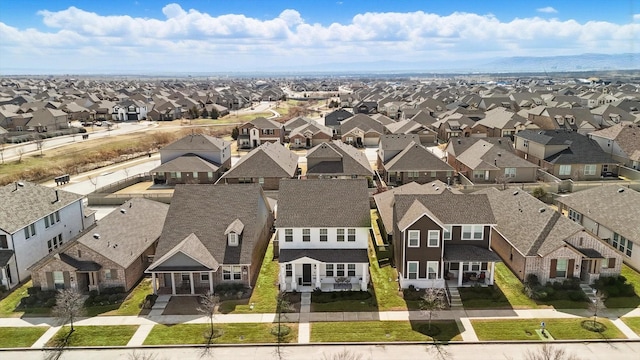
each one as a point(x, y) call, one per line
point(595, 308)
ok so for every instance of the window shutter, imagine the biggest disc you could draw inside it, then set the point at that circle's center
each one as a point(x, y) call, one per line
point(552, 268)
point(570, 267)
point(612, 263)
point(49, 276)
point(67, 281)
point(114, 274)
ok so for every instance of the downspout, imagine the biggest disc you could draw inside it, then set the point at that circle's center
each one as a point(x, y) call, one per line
point(16, 260)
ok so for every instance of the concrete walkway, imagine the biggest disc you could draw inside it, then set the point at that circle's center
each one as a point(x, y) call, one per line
point(305, 319)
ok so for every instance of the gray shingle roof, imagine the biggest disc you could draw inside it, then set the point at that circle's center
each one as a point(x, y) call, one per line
point(341, 159)
point(5, 256)
point(267, 160)
point(325, 255)
point(263, 123)
point(187, 163)
point(416, 157)
point(197, 142)
point(398, 141)
point(23, 205)
point(581, 150)
point(469, 253)
point(323, 203)
point(206, 211)
point(618, 211)
point(362, 122)
point(486, 156)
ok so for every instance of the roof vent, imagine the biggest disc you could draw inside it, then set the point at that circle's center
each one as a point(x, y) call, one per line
point(621, 190)
point(96, 236)
point(515, 193)
point(541, 210)
point(437, 188)
point(123, 211)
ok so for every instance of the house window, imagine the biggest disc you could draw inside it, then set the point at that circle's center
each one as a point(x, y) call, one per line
point(525, 143)
point(561, 268)
point(412, 269)
point(323, 235)
point(231, 272)
point(288, 235)
point(195, 175)
point(590, 169)
point(51, 219)
point(605, 167)
point(623, 244)
point(413, 174)
point(433, 174)
point(339, 269)
point(306, 235)
point(340, 235)
point(244, 180)
point(261, 181)
point(564, 170)
point(351, 235)
point(472, 232)
point(351, 269)
point(446, 235)
point(414, 238)
point(107, 274)
point(575, 216)
point(4, 244)
point(288, 270)
point(210, 175)
point(328, 271)
point(58, 280)
point(233, 239)
point(432, 269)
point(237, 272)
point(30, 231)
point(434, 238)
point(478, 174)
point(226, 273)
point(54, 243)
point(204, 277)
point(510, 172)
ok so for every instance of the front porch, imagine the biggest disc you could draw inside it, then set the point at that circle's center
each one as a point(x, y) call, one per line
point(468, 265)
point(182, 283)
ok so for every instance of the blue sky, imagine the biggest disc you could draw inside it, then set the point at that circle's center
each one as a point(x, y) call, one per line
point(252, 35)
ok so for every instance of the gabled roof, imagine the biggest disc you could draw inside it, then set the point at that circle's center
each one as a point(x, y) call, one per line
point(263, 123)
point(500, 118)
point(416, 157)
point(580, 149)
point(332, 202)
point(202, 214)
point(197, 142)
point(529, 225)
point(192, 247)
point(458, 145)
point(235, 227)
point(613, 206)
point(363, 122)
point(397, 142)
point(338, 159)
point(23, 205)
point(486, 156)
point(627, 136)
point(188, 163)
point(267, 160)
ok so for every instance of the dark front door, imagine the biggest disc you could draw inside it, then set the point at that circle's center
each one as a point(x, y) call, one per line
point(306, 274)
point(308, 142)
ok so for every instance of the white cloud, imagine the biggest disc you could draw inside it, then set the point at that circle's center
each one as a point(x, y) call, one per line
point(197, 41)
point(547, 10)
point(636, 17)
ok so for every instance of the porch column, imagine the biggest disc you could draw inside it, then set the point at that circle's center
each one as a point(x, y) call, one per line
point(210, 282)
point(317, 267)
point(294, 284)
point(460, 273)
point(193, 292)
point(153, 282)
point(282, 277)
point(173, 284)
point(493, 266)
point(365, 275)
point(5, 279)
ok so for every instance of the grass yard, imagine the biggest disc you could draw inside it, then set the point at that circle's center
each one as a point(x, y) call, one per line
point(380, 331)
point(484, 298)
point(385, 286)
point(264, 292)
point(633, 323)
point(132, 304)
point(633, 278)
point(8, 305)
point(116, 335)
point(237, 333)
point(512, 288)
point(337, 302)
point(524, 329)
point(13, 337)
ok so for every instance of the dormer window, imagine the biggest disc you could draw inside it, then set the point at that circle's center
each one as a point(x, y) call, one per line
point(232, 239)
point(233, 232)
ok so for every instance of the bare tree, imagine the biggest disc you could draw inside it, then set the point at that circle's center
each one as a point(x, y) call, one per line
point(433, 300)
point(2, 145)
point(280, 330)
point(208, 305)
point(69, 306)
point(597, 304)
point(94, 181)
point(142, 356)
point(342, 355)
point(126, 172)
point(20, 152)
point(39, 141)
point(548, 352)
point(503, 180)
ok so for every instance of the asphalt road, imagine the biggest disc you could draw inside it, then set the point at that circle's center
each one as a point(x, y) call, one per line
point(582, 351)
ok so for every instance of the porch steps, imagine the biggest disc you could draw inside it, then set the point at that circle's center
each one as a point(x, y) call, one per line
point(456, 301)
point(588, 290)
point(161, 303)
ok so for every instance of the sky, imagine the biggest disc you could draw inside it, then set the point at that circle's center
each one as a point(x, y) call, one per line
point(218, 36)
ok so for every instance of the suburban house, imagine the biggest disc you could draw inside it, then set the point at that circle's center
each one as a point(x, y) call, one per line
point(611, 213)
point(402, 160)
point(531, 238)
point(336, 159)
point(46, 119)
point(454, 125)
point(264, 165)
point(576, 119)
point(485, 162)
point(443, 237)
point(564, 154)
point(335, 118)
point(196, 158)
point(34, 221)
point(361, 130)
point(225, 245)
point(259, 131)
point(426, 134)
point(309, 135)
point(328, 250)
point(622, 142)
point(128, 110)
point(114, 252)
point(499, 122)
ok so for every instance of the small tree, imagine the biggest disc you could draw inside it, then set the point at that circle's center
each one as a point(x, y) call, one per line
point(503, 180)
point(208, 305)
point(205, 113)
point(20, 152)
point(214, 113)
point(69, 306)
point(539, 193)
point(94, 181)
point(433, 300)
point(548, 352)
point(597, 304)
point(2, 150)
point(235, 133)
point(280, 331)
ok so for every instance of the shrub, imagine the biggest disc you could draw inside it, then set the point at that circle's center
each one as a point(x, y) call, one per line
point(114, 298)
point(149, 301)
point(50, 303)
point(577, 295)
point(612, 291)
point(341, 295)
point(33, 290)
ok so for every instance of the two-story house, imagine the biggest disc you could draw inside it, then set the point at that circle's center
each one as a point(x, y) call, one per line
point(323, 234)
point(336, 159)
point(443, 237)
point(258, 131)
point(622, 142)
point(34, 220)
point(196, 158)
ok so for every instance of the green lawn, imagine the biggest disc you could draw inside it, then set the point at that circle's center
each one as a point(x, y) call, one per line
point(512, 288)
point(132, 304)
point(633, 278)
point(344, 305)
point(490, 297)
point(115, 335)
point(380, 331)
point(231, 334)
point(524, 329)
point(385, 286)
point(264, 292)
point(633, 323)
point(13, 337)
point(11, 301)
